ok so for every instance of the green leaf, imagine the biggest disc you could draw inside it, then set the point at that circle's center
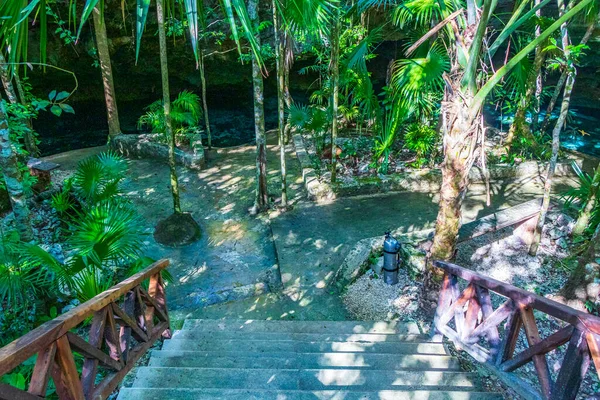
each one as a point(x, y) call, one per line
point(61, 96)
point(88, 8)
point(56, 110)
point(67, 108)
point(141, 15)
point(191, 11)
point(52, 95)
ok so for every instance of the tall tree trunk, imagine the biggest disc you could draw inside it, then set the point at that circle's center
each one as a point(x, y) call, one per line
point(114, 127)
point(261, 201)
point(11, 94)
point(462, 133)
point(164, 69)
point(204, 102)
point(280, 61)
point(335, 77)
point(559, 86)
point(459, 141)
point(564, 110)
point(13, 179)
point(585, 214)
point(287, 65)
point(538, 79)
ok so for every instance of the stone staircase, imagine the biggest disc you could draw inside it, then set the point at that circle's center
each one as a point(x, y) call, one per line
point(298, 360)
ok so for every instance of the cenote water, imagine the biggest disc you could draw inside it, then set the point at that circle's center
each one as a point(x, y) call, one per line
point(231, 119)
point(582, 131)
point(232, 123)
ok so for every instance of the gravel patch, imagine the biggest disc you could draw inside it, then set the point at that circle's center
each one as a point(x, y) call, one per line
point(369, 298)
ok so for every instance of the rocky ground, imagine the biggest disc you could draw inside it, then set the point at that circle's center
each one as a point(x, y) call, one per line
point(500, 255)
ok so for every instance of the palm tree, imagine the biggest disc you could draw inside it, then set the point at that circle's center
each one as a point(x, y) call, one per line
point(281, 97)
point(335, 87)
point(461, 109)
point(261, 199)
point(13, 179)
point(164, 68)
point(114, 127)
point(142, 13)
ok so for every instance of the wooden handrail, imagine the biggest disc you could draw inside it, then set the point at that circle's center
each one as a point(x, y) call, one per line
point(54, 343)
point(476, 331)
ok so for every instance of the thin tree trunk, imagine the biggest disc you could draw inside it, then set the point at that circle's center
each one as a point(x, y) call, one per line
point(13, 180)
point(287, 65)
point(204, 102)
point(538, 78)
point(114, 127)
point(280, 61)
point(164, 69)
point(261, 201)
point(564, 110)
point(561, 81)
point(586, 211)
point(335, 77)
point(559, 86)
point(12, 97)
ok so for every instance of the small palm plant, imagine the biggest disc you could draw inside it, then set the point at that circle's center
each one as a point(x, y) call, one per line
point(422, 140)
point(107, 232)
point(185, 116)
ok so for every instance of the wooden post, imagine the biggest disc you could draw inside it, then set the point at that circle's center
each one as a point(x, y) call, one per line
point(41, 371)
point(511, 335)
point(573, 369)
point(65, 375)
point(90, 365)
point(443, 303)
point(539, 360)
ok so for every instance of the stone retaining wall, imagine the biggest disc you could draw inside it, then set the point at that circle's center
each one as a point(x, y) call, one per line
point(424, 181)
point(146, 146)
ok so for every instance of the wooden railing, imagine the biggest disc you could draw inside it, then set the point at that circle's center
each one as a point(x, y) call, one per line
point(476, 331)
point(118, 337)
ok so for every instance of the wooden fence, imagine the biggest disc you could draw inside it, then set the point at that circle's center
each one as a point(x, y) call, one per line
point(118, 336)
point(476, 331)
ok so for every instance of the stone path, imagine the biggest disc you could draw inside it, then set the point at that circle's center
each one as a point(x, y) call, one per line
point(311, 240)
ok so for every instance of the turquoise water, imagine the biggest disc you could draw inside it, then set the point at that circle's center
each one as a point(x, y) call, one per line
point(582, 131)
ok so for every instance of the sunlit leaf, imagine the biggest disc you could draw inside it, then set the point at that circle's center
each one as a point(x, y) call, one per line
point(140, 23)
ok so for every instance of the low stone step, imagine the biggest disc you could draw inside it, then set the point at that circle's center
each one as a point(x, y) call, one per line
point(165, 358)
point(242, 345)
point(278, 326)
point(313, 379)
point(242, 394)
point(308, 337)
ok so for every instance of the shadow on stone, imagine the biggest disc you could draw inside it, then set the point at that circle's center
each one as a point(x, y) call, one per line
point(177, 230)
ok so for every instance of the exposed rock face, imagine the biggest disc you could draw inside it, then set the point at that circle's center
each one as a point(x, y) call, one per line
point(146, 146)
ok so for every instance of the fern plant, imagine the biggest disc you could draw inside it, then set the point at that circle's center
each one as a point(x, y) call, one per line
point(421, 139)
point(185, 115)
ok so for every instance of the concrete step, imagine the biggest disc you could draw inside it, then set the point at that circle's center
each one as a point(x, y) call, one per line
point(323, 327)
point(308, 337)
point(191, 359)
point(254, 394)
point(258, 346)
point(313, 379)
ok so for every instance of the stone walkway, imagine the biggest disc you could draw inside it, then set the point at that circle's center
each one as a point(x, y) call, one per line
point(310, 241)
